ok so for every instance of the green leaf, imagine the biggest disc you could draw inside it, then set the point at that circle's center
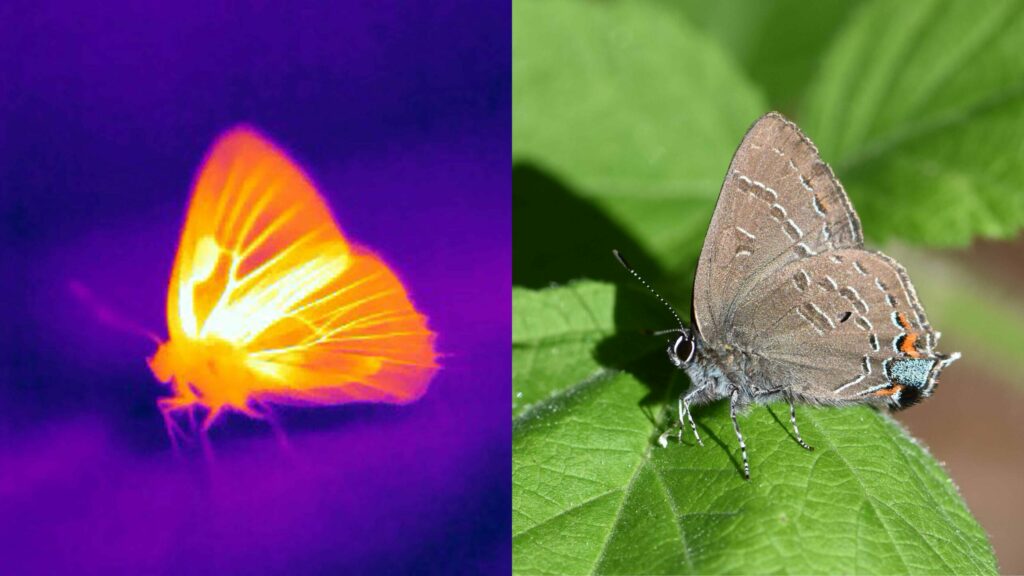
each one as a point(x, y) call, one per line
point(630, 107)
point(920, 107)
point(592, 492)
point(779, 44)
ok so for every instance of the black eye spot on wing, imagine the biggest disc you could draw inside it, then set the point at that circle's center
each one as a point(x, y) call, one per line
point(845, 317)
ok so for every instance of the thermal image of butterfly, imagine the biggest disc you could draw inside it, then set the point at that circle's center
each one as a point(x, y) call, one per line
point(270, 303)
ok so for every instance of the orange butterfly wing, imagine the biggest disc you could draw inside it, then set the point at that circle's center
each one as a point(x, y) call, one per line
point(269, 302)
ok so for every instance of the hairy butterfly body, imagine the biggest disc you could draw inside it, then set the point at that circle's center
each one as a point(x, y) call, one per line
point(788, 304)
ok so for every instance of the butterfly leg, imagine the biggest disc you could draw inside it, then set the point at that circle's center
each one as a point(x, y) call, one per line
point(684, 411)
point(684, 408)
point(204, 431)
point(172, 429)
point(796, 431)
point(167, 407)
point(282, 438)
point(192, 422)
point(739, 435)
point(264, 412)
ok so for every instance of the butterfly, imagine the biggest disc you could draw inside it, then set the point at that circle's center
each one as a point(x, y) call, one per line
point(787, 302)
point(270, 303)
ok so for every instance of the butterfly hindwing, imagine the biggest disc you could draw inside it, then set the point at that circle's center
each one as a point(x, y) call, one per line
point(842, 326)
point(358, 338)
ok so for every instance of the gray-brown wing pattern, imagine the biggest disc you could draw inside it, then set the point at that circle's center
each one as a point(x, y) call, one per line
point(779, 203)
point(842, 326)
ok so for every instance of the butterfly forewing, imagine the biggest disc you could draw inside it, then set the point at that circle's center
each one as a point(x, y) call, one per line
point(254, 220)
point(779, 203)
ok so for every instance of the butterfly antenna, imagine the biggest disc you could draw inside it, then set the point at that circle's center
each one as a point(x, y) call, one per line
point(631, 270)
point(105, 314)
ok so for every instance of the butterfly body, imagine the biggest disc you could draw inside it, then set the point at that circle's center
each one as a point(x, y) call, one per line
point(213, 373)
point(270, 303)
point(715, 373)
point(788, 304)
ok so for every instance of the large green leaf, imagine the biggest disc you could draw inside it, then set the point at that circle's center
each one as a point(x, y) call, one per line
point(920, 107)
point(632, 108)
point(779, 44)
point(592, 492)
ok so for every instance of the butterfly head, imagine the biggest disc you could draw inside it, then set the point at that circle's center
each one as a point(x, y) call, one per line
point(162, 362)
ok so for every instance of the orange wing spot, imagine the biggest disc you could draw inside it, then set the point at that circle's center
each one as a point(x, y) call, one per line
point(907, 345)
point(903, 321)
point(889, 391)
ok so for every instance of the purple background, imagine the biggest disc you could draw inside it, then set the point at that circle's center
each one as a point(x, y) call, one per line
point(402, 116)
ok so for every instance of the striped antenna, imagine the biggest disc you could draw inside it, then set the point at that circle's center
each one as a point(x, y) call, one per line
point(622, 260)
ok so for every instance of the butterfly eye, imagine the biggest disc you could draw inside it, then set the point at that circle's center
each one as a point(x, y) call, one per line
point(682, 350)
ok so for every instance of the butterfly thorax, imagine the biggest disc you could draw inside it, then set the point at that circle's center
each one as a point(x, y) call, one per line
point(718, 370)
point(212, 372)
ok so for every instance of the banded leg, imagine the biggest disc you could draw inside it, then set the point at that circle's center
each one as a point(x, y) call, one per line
point(796, 431)
point(684, 408)
point(739, 435)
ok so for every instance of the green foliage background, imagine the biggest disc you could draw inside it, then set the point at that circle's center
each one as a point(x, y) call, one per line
point(625, 118)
